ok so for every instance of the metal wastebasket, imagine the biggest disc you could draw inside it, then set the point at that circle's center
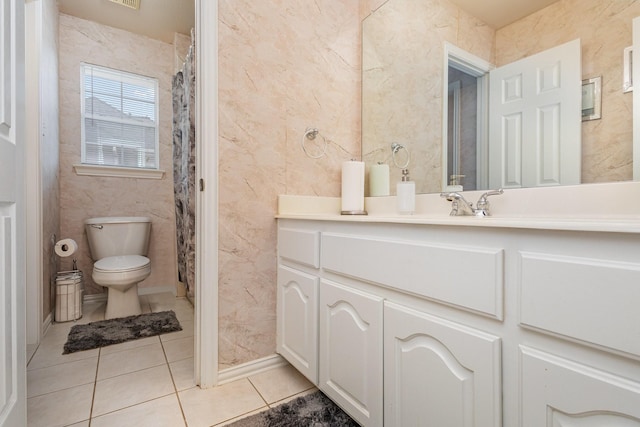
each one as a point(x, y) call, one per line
point(69, 290)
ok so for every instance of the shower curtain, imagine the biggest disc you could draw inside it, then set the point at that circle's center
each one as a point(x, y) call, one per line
point(184, 169)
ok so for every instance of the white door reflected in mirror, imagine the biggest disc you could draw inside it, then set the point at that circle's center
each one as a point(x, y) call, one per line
point(534, 125)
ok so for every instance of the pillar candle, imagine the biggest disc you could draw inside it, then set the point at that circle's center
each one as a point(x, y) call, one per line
point(379, 180)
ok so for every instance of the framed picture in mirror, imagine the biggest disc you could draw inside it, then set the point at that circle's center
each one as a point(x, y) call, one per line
point(591, 98)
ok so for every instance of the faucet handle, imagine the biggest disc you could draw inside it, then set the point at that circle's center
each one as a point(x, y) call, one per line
point(482, 207)
point(483, 198)
point(451, 196)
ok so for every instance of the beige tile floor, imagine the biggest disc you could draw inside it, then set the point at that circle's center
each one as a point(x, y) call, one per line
point(147, 382)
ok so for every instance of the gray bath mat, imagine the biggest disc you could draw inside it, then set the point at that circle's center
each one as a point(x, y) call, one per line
point(312, 410)
point(114, 331)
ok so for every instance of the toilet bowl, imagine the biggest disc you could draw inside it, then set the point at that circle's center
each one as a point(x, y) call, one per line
point(121, 275)
point(119, 245)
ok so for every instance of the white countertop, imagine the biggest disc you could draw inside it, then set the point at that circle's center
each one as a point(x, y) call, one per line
point(612, 207)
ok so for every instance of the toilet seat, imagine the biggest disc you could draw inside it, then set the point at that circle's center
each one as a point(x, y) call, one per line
point(121, 263)
point(121, 271)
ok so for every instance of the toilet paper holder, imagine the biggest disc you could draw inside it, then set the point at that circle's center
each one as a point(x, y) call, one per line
point(311, 134)
point(66, 248)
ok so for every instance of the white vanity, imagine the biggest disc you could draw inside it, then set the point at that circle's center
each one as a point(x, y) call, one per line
point(431, 320)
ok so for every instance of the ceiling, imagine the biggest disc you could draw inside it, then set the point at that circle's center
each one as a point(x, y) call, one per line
point(158, 19)
point(498, 13)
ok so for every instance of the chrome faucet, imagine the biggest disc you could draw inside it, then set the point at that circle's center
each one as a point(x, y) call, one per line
point(460, 206)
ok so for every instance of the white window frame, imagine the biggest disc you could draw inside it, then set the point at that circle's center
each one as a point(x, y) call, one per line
point(113, 170)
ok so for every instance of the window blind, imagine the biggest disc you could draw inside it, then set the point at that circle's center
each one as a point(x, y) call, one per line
point(119, 118)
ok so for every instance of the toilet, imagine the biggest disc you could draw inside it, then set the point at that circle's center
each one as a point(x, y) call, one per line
point(119, 246)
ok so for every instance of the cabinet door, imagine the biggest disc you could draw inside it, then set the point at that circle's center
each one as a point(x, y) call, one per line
point(297, 320)
point(557, 392)
point(351, 351)
point(439, 373)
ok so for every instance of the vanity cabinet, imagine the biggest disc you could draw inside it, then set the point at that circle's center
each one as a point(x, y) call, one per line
point(437, 324)
point(297, 320)
point(297, 299)
point(351, 351)
point(438, 372)
point(560, 392)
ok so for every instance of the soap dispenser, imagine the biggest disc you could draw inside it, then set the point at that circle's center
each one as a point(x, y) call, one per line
point(406, 194)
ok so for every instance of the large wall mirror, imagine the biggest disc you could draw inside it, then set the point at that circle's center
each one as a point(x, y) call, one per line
point(405, 60)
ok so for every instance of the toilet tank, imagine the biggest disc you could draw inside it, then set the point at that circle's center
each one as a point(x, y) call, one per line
point(112, 236)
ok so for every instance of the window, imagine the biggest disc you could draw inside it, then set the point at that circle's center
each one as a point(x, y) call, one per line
point(119, 118)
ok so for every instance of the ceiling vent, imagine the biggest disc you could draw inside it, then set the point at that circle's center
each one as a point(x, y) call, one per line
point(133, 4)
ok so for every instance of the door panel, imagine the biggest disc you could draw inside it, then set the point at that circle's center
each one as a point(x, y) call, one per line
point(512, 132)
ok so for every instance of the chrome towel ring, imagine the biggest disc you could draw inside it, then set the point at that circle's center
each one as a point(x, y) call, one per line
point(311, 134)
point(395, 148)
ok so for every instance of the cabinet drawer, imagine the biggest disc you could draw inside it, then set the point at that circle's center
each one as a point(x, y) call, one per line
point(301, 246)
point(468, 277)
point(592, 300)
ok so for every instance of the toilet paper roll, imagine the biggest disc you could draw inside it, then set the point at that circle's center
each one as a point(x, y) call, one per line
point(353, 186)
point(66, 247)
point(379, 180)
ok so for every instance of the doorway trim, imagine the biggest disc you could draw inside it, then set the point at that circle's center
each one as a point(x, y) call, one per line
point(454, 92)
point(206, 300)
point(35, 325)
point(636, 99)
point(477, 67)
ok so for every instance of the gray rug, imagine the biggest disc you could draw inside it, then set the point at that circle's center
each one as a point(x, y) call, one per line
point(312, 410)
point(114, 331)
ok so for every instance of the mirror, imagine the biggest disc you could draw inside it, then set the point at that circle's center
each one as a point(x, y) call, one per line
point(403, 69)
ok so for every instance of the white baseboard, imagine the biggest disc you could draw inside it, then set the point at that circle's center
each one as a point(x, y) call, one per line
point(250, 368)
point(45, 324)
point(101, 297)
point(94, 298)
point(157, 290)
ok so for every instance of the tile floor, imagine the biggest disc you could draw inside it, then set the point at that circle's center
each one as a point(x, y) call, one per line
point(147, 382)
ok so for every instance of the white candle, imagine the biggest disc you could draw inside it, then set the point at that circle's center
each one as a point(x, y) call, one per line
point(379, 180)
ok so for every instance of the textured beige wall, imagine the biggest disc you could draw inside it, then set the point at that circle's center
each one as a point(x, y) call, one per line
point(368, 6)
point(284, 66)
point(403, 76)
point(84, 197)
point(604, 28)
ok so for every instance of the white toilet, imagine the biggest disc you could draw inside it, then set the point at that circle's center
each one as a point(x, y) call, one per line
point(119, 247)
